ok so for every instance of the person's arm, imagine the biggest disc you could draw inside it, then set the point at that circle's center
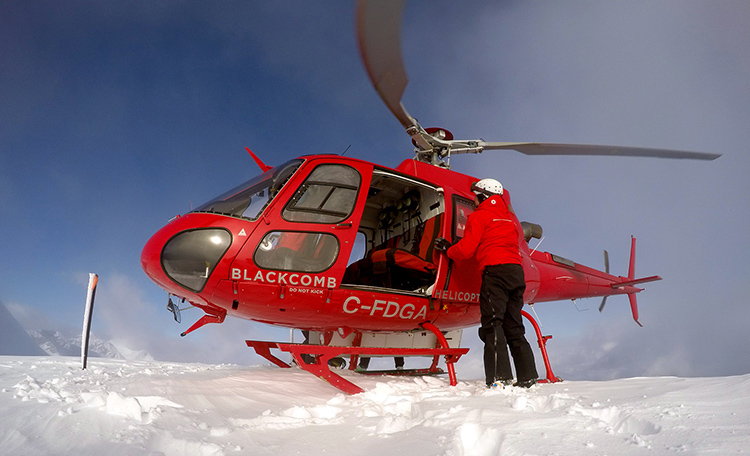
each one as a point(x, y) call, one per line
point(467, 246)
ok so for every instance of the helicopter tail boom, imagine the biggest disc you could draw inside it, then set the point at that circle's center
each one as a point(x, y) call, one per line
point(564, 279)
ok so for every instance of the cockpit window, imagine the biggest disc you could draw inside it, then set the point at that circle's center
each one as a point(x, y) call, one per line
point(328, 195)
point(249, 199)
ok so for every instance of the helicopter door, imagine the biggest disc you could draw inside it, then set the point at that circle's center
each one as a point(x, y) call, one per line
point(463, 282)
point(401, 219)
point(305, 237)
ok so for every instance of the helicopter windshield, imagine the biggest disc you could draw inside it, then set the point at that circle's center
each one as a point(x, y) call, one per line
point(249, 199)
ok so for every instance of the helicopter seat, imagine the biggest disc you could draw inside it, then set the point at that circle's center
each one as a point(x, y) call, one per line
point(423, 238)
point(391, 268)
point(399, 264)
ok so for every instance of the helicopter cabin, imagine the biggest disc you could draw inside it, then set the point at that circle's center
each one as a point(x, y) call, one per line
point(394, 245)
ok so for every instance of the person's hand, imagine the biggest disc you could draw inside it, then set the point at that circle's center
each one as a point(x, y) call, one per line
point(442, 244)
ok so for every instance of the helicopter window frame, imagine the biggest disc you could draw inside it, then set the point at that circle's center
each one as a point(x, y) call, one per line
point(460, 202)
point(361, 245)
point(294, 257)
point(383, 198)
point(240, 201)
point(403, 177)
point(319, 196)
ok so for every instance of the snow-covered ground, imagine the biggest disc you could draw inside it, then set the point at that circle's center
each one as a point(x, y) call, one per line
point(49, 406)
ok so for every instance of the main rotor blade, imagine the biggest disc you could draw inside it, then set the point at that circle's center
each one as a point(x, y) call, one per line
point(378, 33)
point(587, 149)
point(379, 36)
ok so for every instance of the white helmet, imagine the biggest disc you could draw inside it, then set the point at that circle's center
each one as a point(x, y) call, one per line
point(487, 187)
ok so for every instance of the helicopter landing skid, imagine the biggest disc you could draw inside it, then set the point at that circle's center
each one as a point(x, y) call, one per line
point(542, 340)
point(321, 354)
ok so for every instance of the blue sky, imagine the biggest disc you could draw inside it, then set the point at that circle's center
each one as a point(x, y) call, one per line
point(116, 117)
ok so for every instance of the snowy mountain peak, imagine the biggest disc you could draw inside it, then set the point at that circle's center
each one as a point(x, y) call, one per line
point(55, 343)
point(13, 338)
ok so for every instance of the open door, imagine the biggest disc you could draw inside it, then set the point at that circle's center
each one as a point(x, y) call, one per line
point(395, 248)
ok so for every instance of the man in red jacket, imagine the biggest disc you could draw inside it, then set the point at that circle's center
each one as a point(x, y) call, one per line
point(492, 236)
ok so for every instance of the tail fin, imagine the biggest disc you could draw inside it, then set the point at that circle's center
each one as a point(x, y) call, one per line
point(631, 268)
point(629, 281)
point(631, 276)
point(634, 308)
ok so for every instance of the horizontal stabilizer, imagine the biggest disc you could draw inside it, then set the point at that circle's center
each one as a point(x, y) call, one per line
point(630, 283)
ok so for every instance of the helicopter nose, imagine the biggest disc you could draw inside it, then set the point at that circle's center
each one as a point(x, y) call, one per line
point(187, 258)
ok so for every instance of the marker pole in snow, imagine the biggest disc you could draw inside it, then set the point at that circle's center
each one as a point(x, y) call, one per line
point(93, 281)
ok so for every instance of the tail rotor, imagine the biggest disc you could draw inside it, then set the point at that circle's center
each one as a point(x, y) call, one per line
point(606, 269)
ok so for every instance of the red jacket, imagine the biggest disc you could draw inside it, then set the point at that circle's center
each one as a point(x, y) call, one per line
point(491, 235)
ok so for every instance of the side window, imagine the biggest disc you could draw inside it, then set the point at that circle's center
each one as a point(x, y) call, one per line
point(462, 207)
point(297, 251)
point(328, 195)
point(358, 249)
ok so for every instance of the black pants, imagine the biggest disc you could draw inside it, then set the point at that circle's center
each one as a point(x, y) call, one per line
point(500, 302)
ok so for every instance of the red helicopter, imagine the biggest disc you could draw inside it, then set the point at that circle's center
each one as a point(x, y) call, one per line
point(342, 248)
